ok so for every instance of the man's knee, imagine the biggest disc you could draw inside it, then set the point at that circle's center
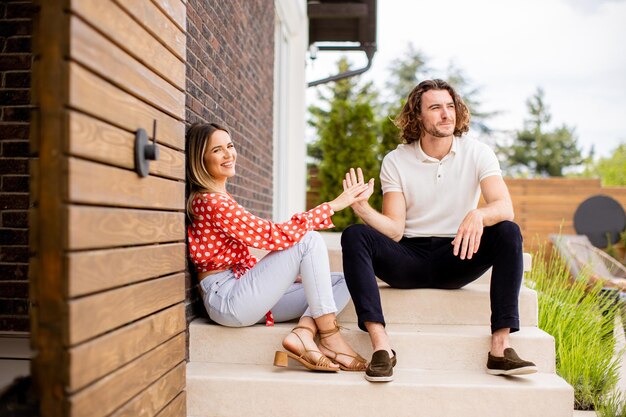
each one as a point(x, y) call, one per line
point(508, 233)
point(353, 234)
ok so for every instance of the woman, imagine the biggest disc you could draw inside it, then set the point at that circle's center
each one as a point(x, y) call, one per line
point(292, 281)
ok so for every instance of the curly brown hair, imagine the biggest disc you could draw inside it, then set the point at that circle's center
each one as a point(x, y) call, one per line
point(408, 121)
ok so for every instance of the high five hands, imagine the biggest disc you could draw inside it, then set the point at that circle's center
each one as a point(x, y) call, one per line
point(352, 178)
point(355, 190)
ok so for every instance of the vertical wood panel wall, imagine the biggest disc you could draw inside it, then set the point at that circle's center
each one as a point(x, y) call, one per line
point(545, 206)
point(107, 275)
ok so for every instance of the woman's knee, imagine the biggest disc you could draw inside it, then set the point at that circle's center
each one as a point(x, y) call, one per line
point(312, 239)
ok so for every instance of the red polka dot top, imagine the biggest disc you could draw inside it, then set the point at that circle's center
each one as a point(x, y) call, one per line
point(220, 236)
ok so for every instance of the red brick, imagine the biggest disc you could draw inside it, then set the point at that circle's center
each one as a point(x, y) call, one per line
point(18, 44)
point(16, 272)
point(16, 114)
point(15, 307)
point(15, 219)
point(14, 131)
point(15, 27)
point(15, 61)
point(19, 79)
point(17, 148)
point(15, 183)
point(15, 323)
point(13, 237)
point(14, 97)
point(14, 254)
point(13, 166)
point(14, 201)
point(21, 10)
point(14, 289)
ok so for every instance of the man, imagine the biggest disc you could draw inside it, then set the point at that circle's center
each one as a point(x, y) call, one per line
point(430, 233)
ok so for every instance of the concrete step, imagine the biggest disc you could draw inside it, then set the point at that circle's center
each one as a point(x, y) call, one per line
point(418, 345)
point(231, 390)
point(468, 305)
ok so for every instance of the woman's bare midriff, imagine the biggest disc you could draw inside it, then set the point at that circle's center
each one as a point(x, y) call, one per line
point(203, 275)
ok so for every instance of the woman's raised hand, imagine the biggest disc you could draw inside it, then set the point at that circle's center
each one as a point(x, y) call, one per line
point(354, 190)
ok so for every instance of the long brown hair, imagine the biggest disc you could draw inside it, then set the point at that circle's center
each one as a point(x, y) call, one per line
point(198, 178)
point(408, 121)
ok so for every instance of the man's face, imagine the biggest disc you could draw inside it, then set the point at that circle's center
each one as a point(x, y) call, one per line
point(438, 113)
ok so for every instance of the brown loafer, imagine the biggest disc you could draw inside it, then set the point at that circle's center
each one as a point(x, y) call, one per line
point(380, 368)
point(509, 364)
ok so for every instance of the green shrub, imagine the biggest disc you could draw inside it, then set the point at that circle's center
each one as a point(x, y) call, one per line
point(613, 406)
point(581, 319)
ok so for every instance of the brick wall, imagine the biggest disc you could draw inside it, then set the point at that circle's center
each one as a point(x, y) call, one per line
point(15, 65)
point(230, 80)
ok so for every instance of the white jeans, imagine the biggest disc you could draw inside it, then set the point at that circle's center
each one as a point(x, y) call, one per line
point(270, 285)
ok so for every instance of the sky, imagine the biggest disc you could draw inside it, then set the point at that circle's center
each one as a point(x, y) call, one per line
point(575, 50)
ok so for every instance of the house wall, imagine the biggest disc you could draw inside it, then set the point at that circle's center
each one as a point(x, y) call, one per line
point(16, 22)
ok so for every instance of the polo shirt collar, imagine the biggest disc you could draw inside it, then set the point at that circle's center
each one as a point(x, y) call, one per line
point(422, 156)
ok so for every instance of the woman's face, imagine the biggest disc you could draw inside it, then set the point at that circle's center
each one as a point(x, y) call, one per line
point(220, 156)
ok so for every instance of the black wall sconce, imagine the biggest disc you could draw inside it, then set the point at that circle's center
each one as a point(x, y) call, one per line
point(144, 151)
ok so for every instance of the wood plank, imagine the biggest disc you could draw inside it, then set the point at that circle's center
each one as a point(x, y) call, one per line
point(95, 314)
point(92, 139)
point(177, 408)
point(103, 57)
point(108, 394)
point(175, 10)
point(558, 200)
point(566, 182)
point(156, 397)
point(555, 216)
point(97, 358)
point(98, 227)
point(117, 25)
point(95, 183)
point(156, 22)
point(49, 91)
point(573, 191)
point(93, 95)
point(99, 270)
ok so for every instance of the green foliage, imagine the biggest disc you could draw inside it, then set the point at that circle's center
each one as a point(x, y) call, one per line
point(581, 320)
point(613, 406)
point(544, 153)
point(347, 131)
point(611, 170)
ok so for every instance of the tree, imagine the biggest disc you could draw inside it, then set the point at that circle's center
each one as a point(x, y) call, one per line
point(611, 170)
point(347, 137)
point(543, 153)
point(406, 73)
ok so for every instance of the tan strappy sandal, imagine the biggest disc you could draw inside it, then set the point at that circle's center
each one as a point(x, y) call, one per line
point(323, 364)
point(358, 364)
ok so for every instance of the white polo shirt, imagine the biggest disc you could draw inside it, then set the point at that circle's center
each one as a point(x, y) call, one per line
point(438, 193)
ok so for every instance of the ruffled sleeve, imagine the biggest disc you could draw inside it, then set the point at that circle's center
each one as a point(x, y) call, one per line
point(227, 216)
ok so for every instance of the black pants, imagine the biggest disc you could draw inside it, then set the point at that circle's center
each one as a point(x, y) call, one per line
point(428, 262)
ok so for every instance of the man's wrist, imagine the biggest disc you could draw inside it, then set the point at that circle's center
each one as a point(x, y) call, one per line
point(360, 207)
